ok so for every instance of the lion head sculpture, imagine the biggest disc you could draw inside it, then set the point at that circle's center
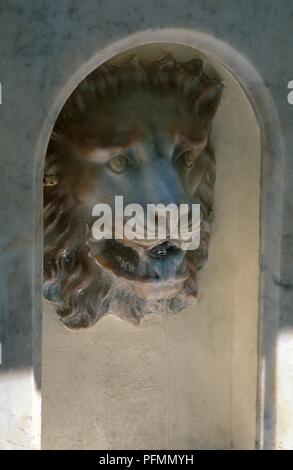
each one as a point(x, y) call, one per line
point(140, 130)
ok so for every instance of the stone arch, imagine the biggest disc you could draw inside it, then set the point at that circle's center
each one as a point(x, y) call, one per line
point(268, 123)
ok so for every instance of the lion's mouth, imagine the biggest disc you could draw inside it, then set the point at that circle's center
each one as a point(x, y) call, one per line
point(162, 250)
point(148, 267)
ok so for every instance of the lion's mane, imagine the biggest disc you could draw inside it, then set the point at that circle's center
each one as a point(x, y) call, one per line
point(82, 290)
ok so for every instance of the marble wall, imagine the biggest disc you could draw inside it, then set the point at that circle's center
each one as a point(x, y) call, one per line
point(46, 49)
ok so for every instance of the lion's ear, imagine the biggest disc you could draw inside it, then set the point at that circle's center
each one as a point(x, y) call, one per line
point(208, 100)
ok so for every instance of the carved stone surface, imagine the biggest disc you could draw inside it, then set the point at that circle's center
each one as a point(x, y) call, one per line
point(140, 130)
point(43, 56)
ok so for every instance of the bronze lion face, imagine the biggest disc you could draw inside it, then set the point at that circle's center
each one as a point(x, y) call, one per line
point(141, 131)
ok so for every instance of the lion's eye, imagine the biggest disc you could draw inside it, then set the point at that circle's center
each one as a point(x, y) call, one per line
point(50, 180)
point(187, 159)
point(118, 164)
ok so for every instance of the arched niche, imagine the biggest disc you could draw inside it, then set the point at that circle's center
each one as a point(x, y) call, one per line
point(217, 389)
